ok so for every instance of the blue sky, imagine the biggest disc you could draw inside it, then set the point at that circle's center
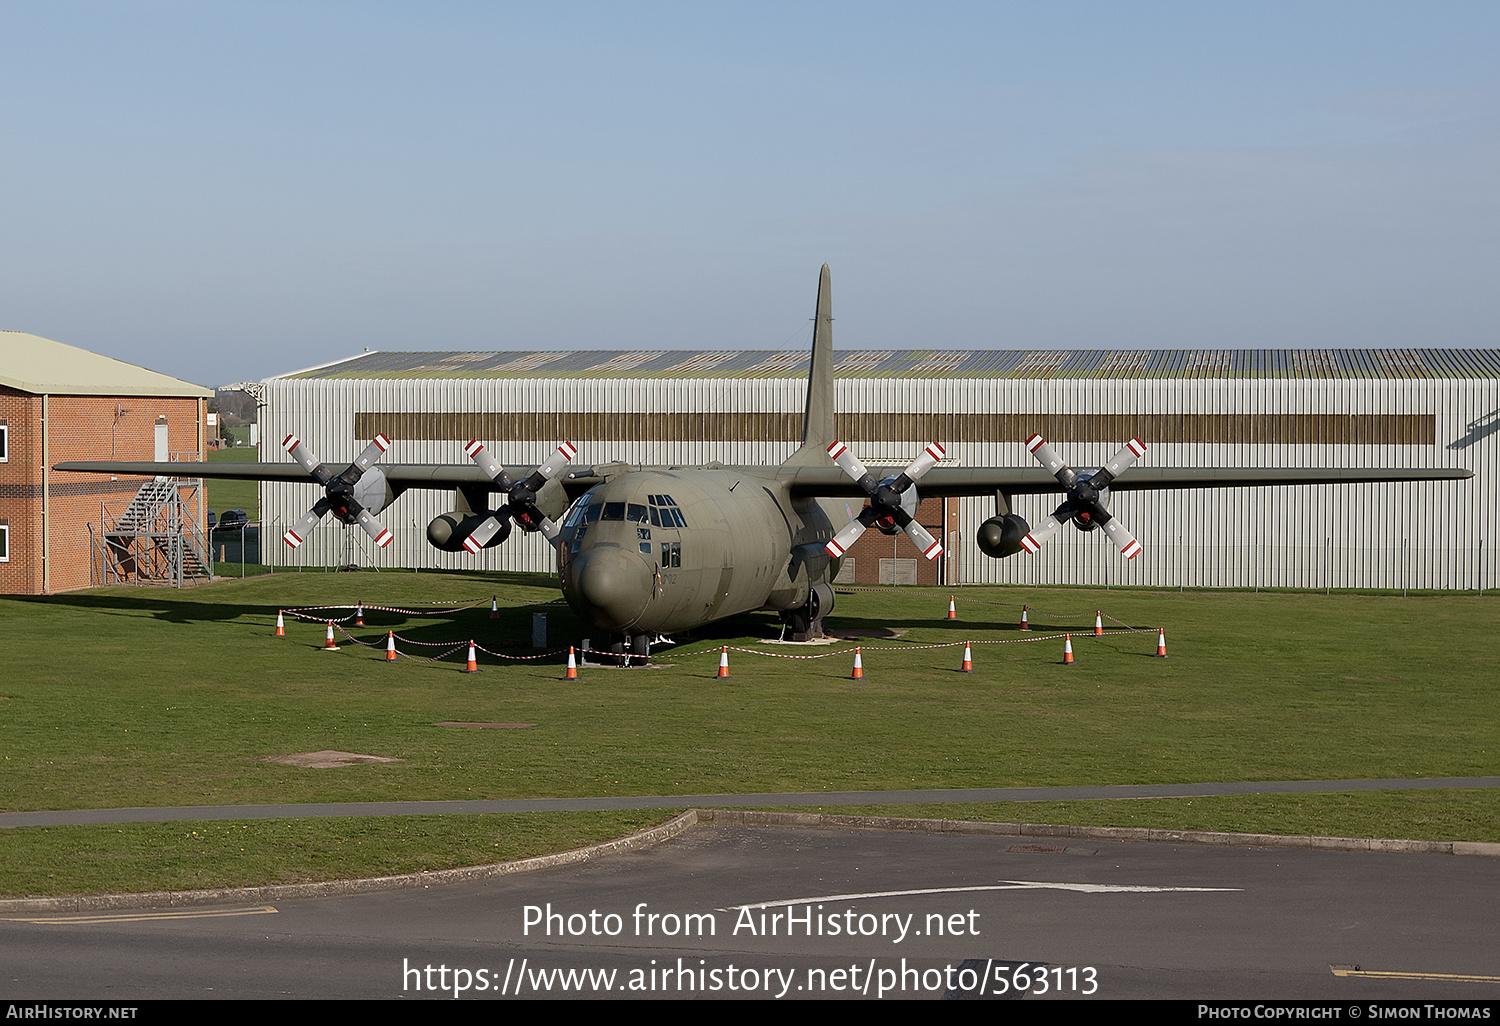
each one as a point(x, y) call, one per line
point(226, 191)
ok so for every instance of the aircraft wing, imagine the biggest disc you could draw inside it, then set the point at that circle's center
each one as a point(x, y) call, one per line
point(951, 481)
point(400, 475)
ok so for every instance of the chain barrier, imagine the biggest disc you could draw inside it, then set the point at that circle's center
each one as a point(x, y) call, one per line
point(981, 602)
point(450, 647)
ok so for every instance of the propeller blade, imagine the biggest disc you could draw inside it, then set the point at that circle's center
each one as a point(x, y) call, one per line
point(1042, 531)
point(482, 535)
point(839, 543)
point(374, 528)
point(298, 532)
point(476, 451)
point(299, 451)
point(559, 459)
point(1048, 458)
point(923, 541)
point(919, 466)
point(849, 464)
point(1129, 547)
point(377, 447)
point(549, 530)
point(1120, 462)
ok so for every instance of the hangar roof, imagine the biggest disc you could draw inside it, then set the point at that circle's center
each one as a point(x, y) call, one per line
point(921, 363)
point(40, 366)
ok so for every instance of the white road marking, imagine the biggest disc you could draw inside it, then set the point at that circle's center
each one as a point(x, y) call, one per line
point(1007, 885)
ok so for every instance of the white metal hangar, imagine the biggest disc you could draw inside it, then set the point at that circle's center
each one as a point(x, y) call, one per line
point(1414, 408)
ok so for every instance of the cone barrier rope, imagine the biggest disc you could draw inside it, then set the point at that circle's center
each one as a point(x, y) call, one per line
point(859, 668)
point(1024, 625)
point(473, 666)
point(494, 607)
point(968, 666)
point(328, 645)
point(952, 609)
point(1068, 650)
point(572, 665)
point(359, 615)
point(390, 646)
point(280, 625)
point(1161, 643)
point(1098, 623)
point(724, 664)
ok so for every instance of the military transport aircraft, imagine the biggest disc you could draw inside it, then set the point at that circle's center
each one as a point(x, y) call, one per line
point(650, 551)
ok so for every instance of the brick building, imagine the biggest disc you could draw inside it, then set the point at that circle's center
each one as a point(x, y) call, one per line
point(57, 403)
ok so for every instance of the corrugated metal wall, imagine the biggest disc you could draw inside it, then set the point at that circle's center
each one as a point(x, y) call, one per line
point(1425, 535)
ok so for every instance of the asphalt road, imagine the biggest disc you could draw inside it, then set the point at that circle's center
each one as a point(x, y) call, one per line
point(79, 817)
point(1080, 919)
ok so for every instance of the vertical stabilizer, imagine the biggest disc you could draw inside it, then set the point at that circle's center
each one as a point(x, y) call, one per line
point(817, 424)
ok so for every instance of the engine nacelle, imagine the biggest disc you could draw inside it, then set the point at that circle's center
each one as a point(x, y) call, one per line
point(448, 531)
point(999, 537)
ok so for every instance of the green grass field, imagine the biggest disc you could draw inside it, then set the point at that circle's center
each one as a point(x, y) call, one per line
point(125, 697)
point(243, 495)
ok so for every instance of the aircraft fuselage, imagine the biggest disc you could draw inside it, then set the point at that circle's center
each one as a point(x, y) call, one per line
point(659, 551)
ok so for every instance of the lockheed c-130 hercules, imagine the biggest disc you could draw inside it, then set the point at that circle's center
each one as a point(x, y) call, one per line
point(650, 551)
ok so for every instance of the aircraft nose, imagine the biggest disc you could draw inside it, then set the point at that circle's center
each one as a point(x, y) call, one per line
point(613, 585)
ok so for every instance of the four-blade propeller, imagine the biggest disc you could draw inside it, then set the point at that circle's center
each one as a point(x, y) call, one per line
point(521, 498)
point(893, 502)
point(1085, 504)
point(339, 491)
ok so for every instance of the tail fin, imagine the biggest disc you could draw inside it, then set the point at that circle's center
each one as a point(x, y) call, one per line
point(817, 424)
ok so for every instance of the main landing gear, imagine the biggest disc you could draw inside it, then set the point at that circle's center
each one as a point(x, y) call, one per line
point(806, 621)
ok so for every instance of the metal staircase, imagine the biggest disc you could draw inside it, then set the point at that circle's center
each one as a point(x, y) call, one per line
point(154, 539)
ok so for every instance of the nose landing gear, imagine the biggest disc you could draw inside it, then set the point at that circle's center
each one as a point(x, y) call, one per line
point(631, 651)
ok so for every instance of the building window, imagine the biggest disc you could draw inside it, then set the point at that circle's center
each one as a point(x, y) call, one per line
point(4, 441)
point(4, 541)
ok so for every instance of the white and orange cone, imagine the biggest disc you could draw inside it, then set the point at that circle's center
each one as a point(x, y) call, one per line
point(328, 645)
point(280, 625)
point(572, 665)
point(952, 609)
point(1025, 626)
point(494, 607)
point(859, 667)
point(724, 664)
point(390, 646)
point(968, 666)
point(1068, 650)
point(1098, 623)
point(1161, 643)
point(359, 615)
point(473, 666)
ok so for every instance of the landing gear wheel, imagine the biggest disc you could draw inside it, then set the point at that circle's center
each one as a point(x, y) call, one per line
point(640, 647)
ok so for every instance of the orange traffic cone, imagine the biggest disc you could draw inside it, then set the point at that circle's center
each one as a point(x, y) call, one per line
point(859, 668)
point(968, 666)
point(1067, 650)
point(572, 665)
point(1161, 643)
point(494, 607)
point(280, 625)
point(1024, 625)
point(473, 666)
point(724, 664)
point(359, 615)
point(328, 645)
point(1098, 622)
point(952, 609)
point(390, 646)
